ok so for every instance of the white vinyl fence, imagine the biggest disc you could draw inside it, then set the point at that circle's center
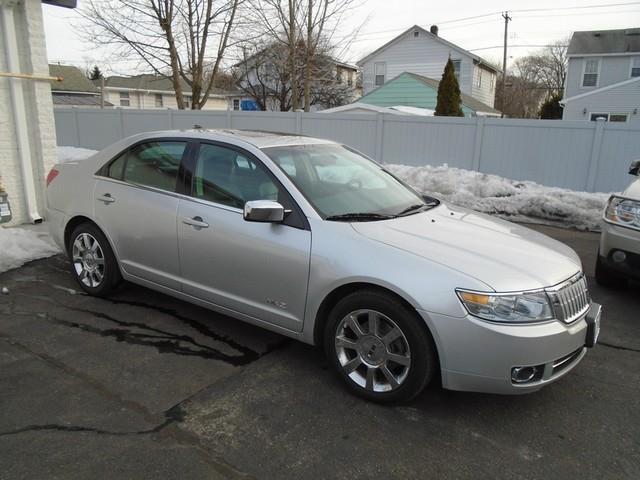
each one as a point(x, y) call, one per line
point(589, 156)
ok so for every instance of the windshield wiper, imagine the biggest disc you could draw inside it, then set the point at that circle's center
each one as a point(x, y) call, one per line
point(413, 209)
point(359, 217)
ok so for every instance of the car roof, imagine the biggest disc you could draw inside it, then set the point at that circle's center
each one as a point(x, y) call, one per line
point(257, 138)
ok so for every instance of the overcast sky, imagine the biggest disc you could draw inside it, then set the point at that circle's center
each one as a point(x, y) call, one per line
point(550, 20)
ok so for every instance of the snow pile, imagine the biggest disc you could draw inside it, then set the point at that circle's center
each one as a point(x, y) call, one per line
point(514, 200)
point(21, 245)
point(73, 154)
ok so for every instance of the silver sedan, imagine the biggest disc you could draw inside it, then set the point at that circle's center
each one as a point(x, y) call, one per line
point(311, 239)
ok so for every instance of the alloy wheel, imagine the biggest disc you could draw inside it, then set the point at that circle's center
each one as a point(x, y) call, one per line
point(88, 260)
point(372, 350)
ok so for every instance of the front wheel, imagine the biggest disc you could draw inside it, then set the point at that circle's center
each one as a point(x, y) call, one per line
point(606, 277)
point(92, 261)
point(379, 347)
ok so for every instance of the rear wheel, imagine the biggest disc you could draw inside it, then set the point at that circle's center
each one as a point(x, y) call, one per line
point(606, 277)
point(92, 261)
point(379, 347)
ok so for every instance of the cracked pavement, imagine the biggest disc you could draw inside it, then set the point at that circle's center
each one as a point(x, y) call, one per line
point(142, 385)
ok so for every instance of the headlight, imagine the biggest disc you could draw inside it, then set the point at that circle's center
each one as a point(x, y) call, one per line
point(508, 308)
point(623, 211)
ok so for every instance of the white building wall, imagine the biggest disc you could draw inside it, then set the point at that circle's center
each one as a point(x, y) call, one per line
point(486, 92)
point(624, 99)
point(38, 106)
point(613, 69)
point(422, 55)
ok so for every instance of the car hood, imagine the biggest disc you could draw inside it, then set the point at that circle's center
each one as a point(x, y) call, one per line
point(503, 255)
point(633, 190)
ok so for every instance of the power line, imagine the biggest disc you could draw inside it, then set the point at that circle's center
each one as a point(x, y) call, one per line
point(515, 46)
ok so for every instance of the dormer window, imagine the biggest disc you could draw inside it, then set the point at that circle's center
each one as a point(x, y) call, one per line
point(416, 33)
point(591, 72)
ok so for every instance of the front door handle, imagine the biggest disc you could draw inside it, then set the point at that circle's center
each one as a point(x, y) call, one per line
point(107, 198)
point(196, 222)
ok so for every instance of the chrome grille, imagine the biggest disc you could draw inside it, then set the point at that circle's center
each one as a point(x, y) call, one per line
point(570, 299)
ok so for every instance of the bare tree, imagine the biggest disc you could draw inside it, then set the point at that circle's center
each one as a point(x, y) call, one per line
point(550, 65)
point(184, 40)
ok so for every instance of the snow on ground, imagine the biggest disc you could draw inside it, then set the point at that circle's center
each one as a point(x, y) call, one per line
point(514, 200)
point(520, 201)
point(71, 154)
point(21, 245)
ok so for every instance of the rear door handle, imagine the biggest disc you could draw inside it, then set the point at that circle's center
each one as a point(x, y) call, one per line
point(195, 222)
point(107, 198)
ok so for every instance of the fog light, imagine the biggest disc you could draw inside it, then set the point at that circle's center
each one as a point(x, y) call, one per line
point(619, 256)
point(523, 374)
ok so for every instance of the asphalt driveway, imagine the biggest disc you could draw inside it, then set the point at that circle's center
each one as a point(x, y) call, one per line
point(145, 386)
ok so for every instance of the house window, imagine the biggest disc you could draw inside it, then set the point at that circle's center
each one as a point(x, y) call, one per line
point(124, 99)
point(479, 78)
point(236, 104)
point(159, 100)
point(456, 68)
point(617, 117)
point(187, 102)
point(492, 81)
point(416, 34)
point(591, 72)
point(596, 116)
point(635, 67)
point(380, 70)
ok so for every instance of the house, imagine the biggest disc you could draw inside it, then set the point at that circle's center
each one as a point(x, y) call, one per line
point(153, 91)
point(425, 53)
point(359, 107)
point(603, 76)
point(28, 136)
point(75, 89)
point(411, 90)
point(264, 76)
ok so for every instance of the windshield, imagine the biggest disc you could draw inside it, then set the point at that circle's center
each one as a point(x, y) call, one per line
point(342, 184)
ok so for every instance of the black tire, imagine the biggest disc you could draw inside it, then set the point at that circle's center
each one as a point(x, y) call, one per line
point(110, 272)
point(607, 277)
point(421, 347)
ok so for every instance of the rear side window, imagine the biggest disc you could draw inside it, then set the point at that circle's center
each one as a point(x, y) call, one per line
point(153, 164)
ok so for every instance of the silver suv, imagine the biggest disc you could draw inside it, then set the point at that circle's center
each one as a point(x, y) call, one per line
point(313, 240)
point(619, 252)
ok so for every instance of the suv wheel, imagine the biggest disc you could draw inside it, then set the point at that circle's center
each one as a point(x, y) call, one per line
point(92, 261)
point(607, 277)
point(379, 347)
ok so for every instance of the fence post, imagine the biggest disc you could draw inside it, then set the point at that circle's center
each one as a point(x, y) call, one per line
point(477, 144)
point(229, 119)
point(298, 122)
point(171, 126)
point(77, 126)
point(379, 135)
point(121, 123)
point(596, 146)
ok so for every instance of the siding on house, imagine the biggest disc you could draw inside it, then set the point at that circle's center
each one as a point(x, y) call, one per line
point(147, 100)
point(613, 69)
point(621, 99)
point(427, 54)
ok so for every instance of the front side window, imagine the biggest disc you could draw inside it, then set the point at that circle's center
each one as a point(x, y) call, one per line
point(236, 104)
point(225, 176)
point(158, 99)
point(124, 99)
point(618, 117)
point(635, 67)
point(479, 78)
point(596, 116)
point(591, 71)
point(153, 164)
point(338, 181)
point(380, 72)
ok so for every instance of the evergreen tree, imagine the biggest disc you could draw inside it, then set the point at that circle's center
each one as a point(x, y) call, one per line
point(449, 102)
point(551, 108)
point(95, 74)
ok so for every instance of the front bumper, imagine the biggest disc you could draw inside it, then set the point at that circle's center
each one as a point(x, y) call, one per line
point(615, 238)
point(479, 356)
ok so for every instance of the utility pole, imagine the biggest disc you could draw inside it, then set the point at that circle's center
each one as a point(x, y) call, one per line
point(506, 17)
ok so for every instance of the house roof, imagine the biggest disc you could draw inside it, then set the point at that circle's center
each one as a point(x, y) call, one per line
point(157, 83)
point(438, 38)
point(74, 80)
point(418, 99)
point(78, 100)
point(605, 41)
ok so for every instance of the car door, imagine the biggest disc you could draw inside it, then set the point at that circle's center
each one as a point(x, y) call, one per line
point(257, 269)
point(136, 205)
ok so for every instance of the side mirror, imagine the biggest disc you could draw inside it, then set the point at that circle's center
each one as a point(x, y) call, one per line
point(263, 211)
point(634, 168)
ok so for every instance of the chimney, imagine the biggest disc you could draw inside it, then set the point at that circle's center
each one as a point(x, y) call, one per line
point(434, 30)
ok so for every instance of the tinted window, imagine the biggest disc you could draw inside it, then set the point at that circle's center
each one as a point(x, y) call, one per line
point(226, 176)
point(154, 164)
